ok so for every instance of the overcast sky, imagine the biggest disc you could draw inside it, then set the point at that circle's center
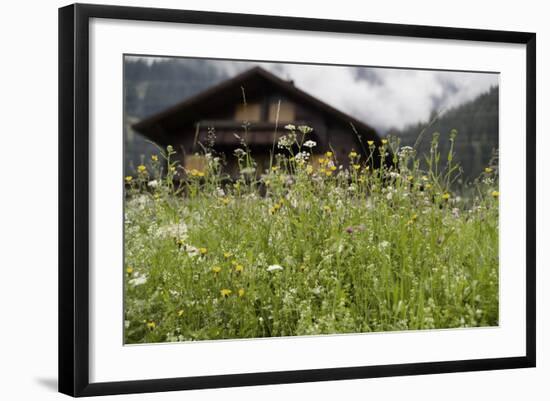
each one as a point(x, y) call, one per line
point(381, 97)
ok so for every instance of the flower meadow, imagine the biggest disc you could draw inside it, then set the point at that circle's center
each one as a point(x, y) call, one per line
point(312, 245)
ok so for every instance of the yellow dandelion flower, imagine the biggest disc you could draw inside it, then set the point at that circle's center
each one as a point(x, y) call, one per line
point(128, 179)
point(225, 201)
point(239, 268)
point(241, 292)
point(154, 158)
point(180, 312)
point(384, 141)
point(495, 194)
point(321, 160)
point(445, 196)
point(328, 154)
point(326, 208)
point(370, 143)
point(356, 166)
point(151, 325)
point(172, 169)
point(216, 269)
point(200, 174)
point(225, 292)
point(333, 168)
point(328, 173)
point(488, 170)
point(428, 186)
point(129, 269)
point(352, 154)
point(309, 169)
point(274, 168)
point(410, 178)
point(322, 170)
point(141, 168)
point(227, 255)
point(203, 251)
point(234, 262)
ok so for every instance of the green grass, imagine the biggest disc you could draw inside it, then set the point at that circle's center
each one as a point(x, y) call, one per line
point(361, 250)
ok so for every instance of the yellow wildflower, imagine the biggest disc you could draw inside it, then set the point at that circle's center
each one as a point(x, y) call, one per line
point(172, 169)
point(203, 251)
point(326, 208)
point(200, 173)
point(128, 179)
point(445, 196)
point(241, 292)
point(225, 292)
point(239, 268)
point(216, 269)
point(129, 269)
point(332, 168)
point(141, 168)
point(321, 160)
point(370, 143)
point(154, 158)
point(384, 141)
point(495, 194)
point(410, 178)
point(180, 312)
point(227, 255)
point(151, 325)
point(352, 154)
point(488, 170)
point(274, 168)
point(225, 200)
point(309, 169)
point(328, 173)
point(356, 166)
point(328, 154)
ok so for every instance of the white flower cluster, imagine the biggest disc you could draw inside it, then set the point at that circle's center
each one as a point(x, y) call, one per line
point(286, 141)
point(301, 157)
point(310, 144)
point(175, 230)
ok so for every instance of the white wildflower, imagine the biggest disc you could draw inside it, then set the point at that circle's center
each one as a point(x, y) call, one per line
point(304, 129)
point(310, 144)
point(153, 184)
point(138, 280)
point(272, 268)
point(175, 230)
point(239, 152)
point(290, 127)
point(248, 171)
point(383, 245)
point(191, 250)
point(301, 157)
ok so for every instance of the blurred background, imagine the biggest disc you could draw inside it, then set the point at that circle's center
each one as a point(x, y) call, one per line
point(401, 102)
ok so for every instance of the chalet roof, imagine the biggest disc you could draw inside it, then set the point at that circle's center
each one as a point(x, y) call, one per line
point(228, 92)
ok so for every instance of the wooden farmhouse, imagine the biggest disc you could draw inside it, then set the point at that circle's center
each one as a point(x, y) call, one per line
point(254, 98)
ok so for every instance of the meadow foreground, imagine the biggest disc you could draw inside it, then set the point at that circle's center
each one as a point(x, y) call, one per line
point(308, 246)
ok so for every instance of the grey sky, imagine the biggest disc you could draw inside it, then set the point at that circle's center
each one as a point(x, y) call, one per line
point(381, 97)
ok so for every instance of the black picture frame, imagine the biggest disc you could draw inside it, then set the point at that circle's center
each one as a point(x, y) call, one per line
point(74, 201)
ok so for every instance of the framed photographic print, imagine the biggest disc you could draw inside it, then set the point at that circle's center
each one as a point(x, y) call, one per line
point(250, 199)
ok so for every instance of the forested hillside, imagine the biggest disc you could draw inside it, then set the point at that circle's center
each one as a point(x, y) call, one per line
point(477, 125)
